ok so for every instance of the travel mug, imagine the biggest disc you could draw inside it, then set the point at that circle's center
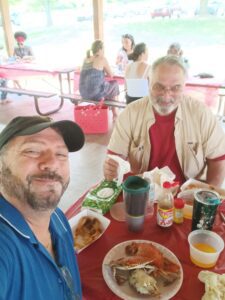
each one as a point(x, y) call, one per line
point(135, 197)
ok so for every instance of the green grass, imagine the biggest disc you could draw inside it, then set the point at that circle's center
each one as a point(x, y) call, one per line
point(193, 32)
point(201, 31)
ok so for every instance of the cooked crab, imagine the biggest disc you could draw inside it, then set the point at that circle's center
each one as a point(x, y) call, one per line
point(147, 257)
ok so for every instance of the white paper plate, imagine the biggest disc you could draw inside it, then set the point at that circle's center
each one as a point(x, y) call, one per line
point(125, 291)
point(87, 212)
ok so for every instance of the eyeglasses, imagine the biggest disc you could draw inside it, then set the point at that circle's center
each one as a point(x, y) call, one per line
point(69, 282)
point(159, 88)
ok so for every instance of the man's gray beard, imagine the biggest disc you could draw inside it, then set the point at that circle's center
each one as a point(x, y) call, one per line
point(13, 186)
point(161, 110)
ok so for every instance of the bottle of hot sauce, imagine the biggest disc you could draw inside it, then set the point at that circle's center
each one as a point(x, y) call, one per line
point(165, 209)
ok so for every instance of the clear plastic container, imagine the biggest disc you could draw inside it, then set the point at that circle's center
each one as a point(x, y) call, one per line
point(205, 247)
point(188, 197)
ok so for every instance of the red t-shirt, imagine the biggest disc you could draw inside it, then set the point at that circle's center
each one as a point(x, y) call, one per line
point(163, 151)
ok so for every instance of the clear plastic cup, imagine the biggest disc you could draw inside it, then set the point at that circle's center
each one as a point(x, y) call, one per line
point(205, 247)
point(117, 212)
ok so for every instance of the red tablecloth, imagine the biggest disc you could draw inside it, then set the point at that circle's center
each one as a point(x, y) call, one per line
point(205, 82)
point(16, 70)
point(208, 87)
point(174, 238)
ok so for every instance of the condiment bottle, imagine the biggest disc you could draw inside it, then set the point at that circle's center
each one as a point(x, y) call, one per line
point(165, 209)
point(178, 215)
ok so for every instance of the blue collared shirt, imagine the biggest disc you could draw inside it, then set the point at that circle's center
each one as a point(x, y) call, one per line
point(27, 271)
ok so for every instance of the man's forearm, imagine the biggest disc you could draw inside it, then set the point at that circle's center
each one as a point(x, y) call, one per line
point(215, 172)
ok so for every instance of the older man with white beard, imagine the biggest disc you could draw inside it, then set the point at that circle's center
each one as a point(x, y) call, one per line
point(37, 259)
point(169, 128)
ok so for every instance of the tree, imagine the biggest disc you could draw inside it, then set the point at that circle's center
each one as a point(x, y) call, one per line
point(48, 13)
point(203, 7)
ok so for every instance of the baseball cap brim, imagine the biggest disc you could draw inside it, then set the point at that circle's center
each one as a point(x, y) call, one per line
point(72, 134)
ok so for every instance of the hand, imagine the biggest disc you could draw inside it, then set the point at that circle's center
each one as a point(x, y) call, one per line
point(110, 169)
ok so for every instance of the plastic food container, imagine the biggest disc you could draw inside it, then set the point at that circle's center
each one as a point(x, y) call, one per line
point(84, 213)
point(205, 247)
point(188, 197)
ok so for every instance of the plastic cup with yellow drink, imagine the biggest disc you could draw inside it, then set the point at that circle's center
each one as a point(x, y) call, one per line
point(205, 247)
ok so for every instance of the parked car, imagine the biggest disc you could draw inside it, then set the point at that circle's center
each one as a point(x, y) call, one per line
point(161, 12)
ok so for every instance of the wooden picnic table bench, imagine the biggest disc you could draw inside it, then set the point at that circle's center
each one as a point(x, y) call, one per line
point(76, 100)
point(36, 95)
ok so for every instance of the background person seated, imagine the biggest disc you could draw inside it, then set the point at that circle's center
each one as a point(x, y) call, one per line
point(175, 49)
point(92, 84)
point(138, 69)
point(127, 48)
point(22, 52)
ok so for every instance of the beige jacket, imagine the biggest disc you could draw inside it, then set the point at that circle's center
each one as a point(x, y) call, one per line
point(198, 136)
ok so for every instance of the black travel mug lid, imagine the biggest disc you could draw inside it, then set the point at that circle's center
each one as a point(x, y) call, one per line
point(135, 185)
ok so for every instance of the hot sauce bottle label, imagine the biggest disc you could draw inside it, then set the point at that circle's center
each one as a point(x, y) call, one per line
point(165, 217)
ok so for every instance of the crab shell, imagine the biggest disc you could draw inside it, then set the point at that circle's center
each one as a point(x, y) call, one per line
point(132, 263)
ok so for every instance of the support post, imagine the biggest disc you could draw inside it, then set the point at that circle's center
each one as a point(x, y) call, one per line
point(98, 19)
point(7, 28)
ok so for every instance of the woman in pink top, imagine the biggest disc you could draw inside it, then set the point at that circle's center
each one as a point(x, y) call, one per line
point(139, 68)
point(127, 48)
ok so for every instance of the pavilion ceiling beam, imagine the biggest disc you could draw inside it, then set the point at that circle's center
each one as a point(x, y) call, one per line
point(98, 19)
point(7, 28)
